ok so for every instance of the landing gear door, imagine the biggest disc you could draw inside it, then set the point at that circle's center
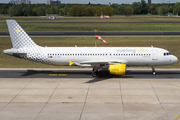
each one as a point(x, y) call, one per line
point(155, 54)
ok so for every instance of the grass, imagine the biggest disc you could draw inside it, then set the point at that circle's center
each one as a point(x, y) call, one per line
point(99, 27)
point(170, 43)
point(133, 18)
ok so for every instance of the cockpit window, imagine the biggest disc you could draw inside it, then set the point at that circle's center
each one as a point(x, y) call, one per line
point(166, 54)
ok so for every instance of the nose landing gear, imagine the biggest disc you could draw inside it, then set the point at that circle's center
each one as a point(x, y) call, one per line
point(153, 70)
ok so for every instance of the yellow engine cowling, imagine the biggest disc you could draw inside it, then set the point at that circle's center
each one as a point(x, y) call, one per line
point(117, 69)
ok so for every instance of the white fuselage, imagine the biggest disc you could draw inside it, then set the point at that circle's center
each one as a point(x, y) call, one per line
point(131, 56)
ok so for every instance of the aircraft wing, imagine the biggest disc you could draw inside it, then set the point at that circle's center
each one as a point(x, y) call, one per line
point(98, 63)
point(122, 61)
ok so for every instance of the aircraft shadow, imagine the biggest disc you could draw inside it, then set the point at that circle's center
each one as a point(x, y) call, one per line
point(80, 73)
point(101, 75)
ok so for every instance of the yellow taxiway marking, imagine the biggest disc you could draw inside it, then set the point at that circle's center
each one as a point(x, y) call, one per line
point(158, 82)
point(177, 118)
point(57, 74)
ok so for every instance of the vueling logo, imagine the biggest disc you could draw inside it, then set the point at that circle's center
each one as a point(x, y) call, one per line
point(141, 50)
point(132, 50)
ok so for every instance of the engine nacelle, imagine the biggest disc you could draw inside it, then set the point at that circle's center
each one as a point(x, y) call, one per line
point(117, 69)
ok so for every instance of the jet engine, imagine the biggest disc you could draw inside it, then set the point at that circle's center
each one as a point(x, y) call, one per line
point(117, 69)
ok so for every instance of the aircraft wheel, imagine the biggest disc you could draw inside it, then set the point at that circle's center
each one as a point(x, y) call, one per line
point(94, 74)
point(153, 70)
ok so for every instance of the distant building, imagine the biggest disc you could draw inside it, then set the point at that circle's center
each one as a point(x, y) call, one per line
point(20, 2)
point(50, 2)
point(149, 1)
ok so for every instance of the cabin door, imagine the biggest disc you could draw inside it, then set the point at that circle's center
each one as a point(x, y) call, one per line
point(155, 54)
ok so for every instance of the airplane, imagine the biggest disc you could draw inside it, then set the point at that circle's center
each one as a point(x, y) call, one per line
point(113, 59)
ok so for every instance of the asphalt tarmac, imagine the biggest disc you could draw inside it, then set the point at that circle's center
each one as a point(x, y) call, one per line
point(61, 34)
point(86, 73)
point(95, 22)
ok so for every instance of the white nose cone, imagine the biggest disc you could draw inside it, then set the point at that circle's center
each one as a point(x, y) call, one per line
point(175, 59)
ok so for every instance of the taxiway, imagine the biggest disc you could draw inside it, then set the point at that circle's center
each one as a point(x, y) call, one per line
point(95, 22)
point(86, 73)
point(72, 34)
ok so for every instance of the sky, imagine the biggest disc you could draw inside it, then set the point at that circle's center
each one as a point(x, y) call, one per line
point(97, 1)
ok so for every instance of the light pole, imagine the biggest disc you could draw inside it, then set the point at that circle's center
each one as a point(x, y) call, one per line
point(168, 7)
point(95, 38)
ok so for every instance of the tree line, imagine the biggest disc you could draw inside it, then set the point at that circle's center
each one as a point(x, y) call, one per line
point(137, 8)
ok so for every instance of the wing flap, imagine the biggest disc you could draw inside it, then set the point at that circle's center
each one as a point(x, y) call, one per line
point(121, 61)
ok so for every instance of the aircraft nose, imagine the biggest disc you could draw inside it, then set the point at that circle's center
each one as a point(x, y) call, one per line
point(175, 59)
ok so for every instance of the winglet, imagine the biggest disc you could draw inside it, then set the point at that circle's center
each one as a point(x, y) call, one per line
point(70, 63)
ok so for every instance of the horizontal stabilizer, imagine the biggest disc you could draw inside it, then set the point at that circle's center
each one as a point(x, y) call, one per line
point(14, 52)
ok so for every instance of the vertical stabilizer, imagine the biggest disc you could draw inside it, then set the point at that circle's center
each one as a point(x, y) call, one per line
point(19, 37)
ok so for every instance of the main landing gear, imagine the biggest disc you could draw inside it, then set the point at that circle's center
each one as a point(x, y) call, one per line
point(95, 72)
point(153, 70)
